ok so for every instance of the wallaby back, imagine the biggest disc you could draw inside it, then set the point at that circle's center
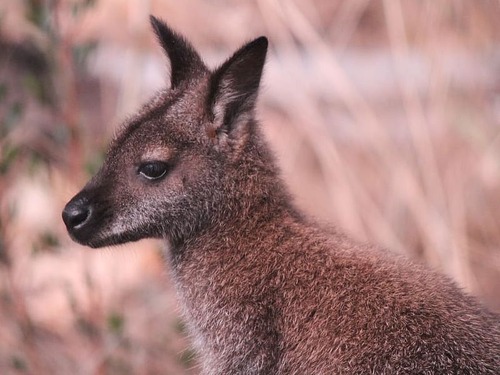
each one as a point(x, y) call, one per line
point(263, 289)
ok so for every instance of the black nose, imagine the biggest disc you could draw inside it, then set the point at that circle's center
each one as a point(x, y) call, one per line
point(76, 213)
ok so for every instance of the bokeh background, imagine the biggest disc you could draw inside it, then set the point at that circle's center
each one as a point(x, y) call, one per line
point(384, 116)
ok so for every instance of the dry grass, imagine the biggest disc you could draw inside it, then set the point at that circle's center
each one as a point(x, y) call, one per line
point(385, 117)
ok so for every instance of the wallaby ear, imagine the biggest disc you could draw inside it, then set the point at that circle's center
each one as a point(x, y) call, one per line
point(234, 86)
point(184, 60)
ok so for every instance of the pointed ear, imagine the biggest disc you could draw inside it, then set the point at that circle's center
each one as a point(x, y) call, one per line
point(234, 86)
point(184, 60)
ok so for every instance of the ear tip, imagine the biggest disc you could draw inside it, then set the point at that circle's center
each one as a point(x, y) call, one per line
point(156, 24)
point(153, 20)
point(262, 39)
point(257, 47)
point(261, 42)
point(162, 30)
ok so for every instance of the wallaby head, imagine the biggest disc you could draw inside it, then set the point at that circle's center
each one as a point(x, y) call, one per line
point(167, 170)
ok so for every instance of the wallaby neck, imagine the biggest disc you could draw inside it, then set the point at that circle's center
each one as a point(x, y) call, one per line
point(259, 201)
point(248, 215)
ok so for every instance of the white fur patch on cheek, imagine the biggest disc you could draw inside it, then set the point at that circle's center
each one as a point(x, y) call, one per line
point(135, 219)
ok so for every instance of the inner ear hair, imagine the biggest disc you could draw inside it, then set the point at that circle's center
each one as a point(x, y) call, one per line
point(233, 87)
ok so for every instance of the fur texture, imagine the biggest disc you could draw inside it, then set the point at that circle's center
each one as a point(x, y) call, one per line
point(264, 290)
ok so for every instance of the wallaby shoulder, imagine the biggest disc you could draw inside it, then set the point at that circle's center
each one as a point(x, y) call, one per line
point(326, 289)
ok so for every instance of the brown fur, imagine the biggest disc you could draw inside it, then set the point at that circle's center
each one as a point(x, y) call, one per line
point(264, 290)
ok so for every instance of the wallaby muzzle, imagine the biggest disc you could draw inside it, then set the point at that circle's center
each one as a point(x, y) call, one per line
point(77, 215)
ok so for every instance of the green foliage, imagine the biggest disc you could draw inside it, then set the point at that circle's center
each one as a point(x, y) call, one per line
point(116, 323)
point(81, 52)
point(79, 6)
point(180, 326)
point(188, 358)
point(8, 155)
point(94, 161)
point(47, 241)
point(39, 14)
point(3, 91)
point(38, 87)
point(35, 161)
point(4, 257)
point(12, 117)
point(18, 363)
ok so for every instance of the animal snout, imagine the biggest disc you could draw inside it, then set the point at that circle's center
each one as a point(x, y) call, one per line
point(76, 213)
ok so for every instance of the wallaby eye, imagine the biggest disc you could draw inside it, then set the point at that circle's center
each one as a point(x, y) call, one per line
point(153, 170)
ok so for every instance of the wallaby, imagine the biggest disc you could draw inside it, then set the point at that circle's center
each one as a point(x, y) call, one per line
point(263, 289)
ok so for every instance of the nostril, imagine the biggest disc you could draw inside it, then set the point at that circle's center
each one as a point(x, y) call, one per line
point(75, 214)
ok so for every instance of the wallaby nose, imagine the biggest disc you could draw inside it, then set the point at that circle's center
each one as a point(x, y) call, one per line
point(76, 213)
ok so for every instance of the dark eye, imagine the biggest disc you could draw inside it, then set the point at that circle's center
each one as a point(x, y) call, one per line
point(153, 170)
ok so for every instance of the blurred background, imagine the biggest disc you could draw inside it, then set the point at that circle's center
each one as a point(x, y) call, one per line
point(384, 116)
